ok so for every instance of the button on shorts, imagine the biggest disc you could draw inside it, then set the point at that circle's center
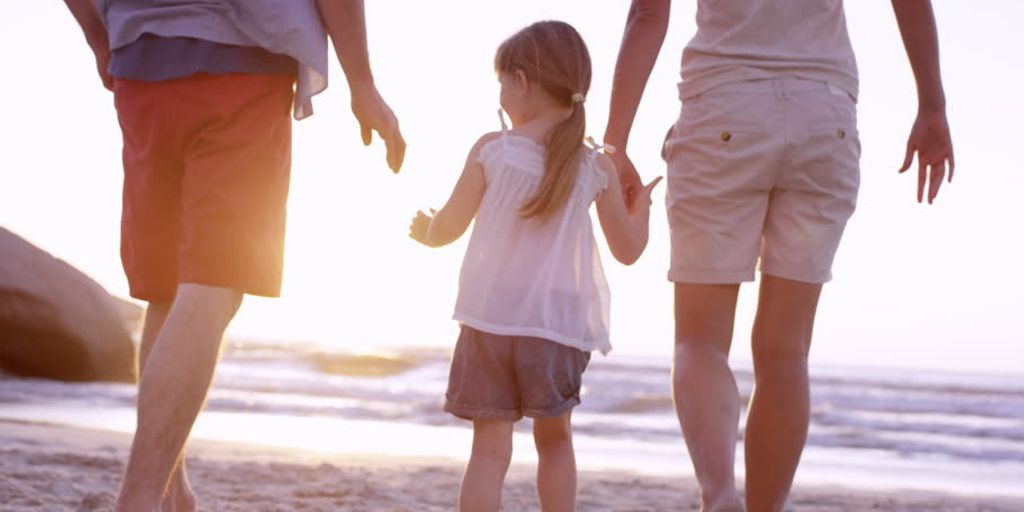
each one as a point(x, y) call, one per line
point(765, 169)
point(501, 377)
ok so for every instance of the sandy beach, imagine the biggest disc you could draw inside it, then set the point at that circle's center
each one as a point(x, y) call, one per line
point(57, 468)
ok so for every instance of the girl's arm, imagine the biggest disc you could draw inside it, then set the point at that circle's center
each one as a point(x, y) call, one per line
point(446, 226)
point(625, 230)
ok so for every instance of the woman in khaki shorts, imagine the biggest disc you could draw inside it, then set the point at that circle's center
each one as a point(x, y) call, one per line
point(762, 165)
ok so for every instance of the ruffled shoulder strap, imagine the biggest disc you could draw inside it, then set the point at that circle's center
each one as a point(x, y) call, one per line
point(600, 179)
point(489, 152)
point(501, 118)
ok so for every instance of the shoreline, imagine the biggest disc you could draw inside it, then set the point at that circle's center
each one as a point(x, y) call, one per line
point(54, 467)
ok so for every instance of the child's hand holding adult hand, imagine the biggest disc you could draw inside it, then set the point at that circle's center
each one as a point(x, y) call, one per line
point(642, 201)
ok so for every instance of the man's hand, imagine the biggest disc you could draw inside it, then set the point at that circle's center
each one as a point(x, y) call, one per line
point(419, 228)
point(345, 21)
point(374, 114)
point(102, 62)
point(930, 139)
point(629, 179)
point(95, 32)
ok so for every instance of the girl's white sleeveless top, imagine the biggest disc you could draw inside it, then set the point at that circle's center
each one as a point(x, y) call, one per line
point(534, 277)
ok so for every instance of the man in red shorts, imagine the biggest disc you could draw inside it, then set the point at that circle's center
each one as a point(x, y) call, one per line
point(204, 92)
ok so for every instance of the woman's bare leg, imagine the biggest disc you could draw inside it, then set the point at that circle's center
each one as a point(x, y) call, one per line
point(780, 404)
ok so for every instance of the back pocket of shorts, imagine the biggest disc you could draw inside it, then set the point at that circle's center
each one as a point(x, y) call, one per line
point(839, 129)
point(710, 142)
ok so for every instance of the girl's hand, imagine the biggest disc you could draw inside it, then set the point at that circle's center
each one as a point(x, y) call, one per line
point(642, 201)
point(419, 228)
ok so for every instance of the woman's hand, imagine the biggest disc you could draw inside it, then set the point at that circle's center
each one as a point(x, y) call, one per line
point(930, 139)
point(629, 179)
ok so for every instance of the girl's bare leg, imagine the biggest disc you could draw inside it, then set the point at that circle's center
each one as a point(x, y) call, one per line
point(488, 463)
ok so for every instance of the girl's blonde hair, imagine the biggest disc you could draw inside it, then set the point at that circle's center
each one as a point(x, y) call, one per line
point(553, 55)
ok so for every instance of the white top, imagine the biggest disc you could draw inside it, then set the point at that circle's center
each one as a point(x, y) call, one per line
point(740, 40)
point(534, 277)
point(286, 27)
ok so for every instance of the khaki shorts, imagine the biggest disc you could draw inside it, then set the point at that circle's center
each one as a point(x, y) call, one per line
point(765, 168)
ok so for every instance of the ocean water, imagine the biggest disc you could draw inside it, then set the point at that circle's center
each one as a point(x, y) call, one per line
point(887, 429)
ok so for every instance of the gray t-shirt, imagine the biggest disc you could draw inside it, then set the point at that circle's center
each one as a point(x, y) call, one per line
point(739, 40)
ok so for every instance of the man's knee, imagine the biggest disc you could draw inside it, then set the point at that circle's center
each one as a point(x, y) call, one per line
point(157, 309)
point(220, 301)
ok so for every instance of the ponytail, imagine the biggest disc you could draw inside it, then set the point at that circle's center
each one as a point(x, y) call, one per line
point(561, 165)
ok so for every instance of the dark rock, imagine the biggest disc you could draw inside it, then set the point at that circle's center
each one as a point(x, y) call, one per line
point(57, 323)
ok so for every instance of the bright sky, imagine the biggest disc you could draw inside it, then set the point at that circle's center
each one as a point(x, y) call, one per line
point(933, 287)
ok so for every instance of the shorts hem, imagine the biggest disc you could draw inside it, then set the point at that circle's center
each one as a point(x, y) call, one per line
point(160, 297)
point(551, 412)
point(475, 412)
point(151, 296)
point(255, 290)
point(802, 277)
point(711, 276)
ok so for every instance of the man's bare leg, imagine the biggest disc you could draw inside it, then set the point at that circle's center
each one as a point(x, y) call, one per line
point(172, 389)
point(704, 389)
point(780, 405)
point(179, 496)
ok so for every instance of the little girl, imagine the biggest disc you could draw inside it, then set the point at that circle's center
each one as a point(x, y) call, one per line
point(533, 301)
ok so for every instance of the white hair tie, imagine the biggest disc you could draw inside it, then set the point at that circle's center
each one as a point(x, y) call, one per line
point(607, 148)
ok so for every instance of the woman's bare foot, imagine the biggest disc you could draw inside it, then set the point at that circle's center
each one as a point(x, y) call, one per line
point(732, 504)
point(179, 497)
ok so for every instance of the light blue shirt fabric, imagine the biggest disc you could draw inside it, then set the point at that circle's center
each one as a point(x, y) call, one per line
point(285, 27)
point(152, 58)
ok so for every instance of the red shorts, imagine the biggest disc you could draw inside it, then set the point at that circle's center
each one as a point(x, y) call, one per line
point(207, 160)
